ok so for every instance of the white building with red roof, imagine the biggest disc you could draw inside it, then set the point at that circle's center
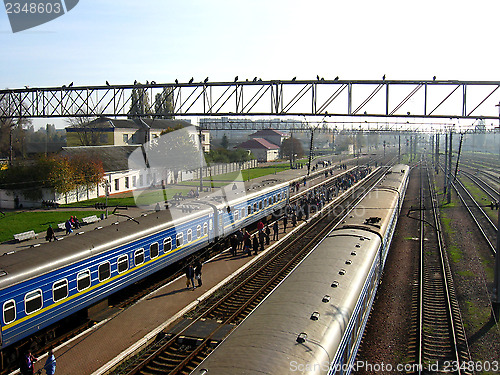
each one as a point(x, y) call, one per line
point(271, 135)
point(262, 149)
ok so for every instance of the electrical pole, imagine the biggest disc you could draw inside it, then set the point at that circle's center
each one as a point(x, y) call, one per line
point(201, 160)
point(399, 148)
point(310, 152)
point(448, 198)
point(437, 153)
point(445, 162)
point(496, 285)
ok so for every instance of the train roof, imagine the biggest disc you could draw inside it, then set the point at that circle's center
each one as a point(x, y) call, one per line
point(268, 340)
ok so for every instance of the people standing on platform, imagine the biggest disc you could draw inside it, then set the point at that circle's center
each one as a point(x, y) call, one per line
point(197, 272)
point(262, 237)
point(234, 244)
point(255, 244)
point(239, 237)
point(260, 226)
point(294, 219)
point(268, 233)
point(285, 221)
point(50, 363)
point(247, 247)
point(275, 230)
point(190, 276)
point(26, 366)
point(50, 234)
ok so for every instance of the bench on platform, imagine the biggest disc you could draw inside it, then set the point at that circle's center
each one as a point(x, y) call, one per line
point(25, 235)
point(90, 219)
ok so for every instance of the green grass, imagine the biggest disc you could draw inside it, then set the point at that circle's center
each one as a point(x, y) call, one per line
point(18, 222)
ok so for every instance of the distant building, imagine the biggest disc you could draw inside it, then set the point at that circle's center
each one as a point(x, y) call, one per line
point(118, 132)
point(271, 135)
point(262, 149)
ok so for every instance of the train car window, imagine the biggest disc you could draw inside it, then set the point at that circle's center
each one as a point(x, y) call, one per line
point(189, 235)
point(104, 271)
point(260, 205)
point(274, 198)
point(9, 311)
point(255, 207)
point(249, 210)
point(279, 197)
point(83, 280)
point(139, 257)
point(154, 250)
point(60, 290)
point(243, 213)
point(179, 239)
point(167, 244)
point(265, 202)
point(205, 229)
point(122, 263)
point(198, 231)
point(236, 215)
point(33, 301)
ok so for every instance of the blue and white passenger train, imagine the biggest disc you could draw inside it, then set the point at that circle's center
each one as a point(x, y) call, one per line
point(313, 321)
point(40, 286)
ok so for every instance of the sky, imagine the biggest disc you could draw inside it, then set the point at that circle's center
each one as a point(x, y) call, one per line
point(163, 40)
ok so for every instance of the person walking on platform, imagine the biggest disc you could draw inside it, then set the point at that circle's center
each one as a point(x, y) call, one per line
point(262, 237)
point(190, 276)
point(255, 245)
point(268, 233)
point(50, 234)
point(239, 237)
point(67, 225)
point(50, 363)
point(275, 230)
point(285, 221)
point(197, 272)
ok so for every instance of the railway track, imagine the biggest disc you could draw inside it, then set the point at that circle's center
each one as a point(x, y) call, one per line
point(484, 223)
point(183, 348)
point(441, 345)
point(489, 190)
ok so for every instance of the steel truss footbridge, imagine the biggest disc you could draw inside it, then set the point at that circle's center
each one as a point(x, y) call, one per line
point(433, 99)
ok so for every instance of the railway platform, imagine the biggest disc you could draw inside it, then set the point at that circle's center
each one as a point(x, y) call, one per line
point(120, 333)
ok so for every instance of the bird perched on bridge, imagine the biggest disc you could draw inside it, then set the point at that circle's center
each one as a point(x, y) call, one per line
point(107, 83)
point(294, 78)
point(176, 81)
point(71, 84)
point(434, 78)
point(191, 80)
point(317, 77)
point(153, 82)
point(135, 82)
point(383, 77)
point(254, 79)
point(336, 78)
point(205, 80)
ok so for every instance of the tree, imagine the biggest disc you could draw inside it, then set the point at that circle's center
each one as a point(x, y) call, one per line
point(139, 106)
point(291, 146)
point(88, 172)
point(164, 103)
point(225, 142)
point(11, 129)
point(88, 130)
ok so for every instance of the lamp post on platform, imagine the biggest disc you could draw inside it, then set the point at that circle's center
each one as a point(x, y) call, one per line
point(496, 285)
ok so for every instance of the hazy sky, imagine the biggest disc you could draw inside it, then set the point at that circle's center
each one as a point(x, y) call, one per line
point(161, 40)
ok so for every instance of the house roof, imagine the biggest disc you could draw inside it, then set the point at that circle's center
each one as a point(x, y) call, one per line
point(268, 132)
point(258, 143)
point(135, 123)
point(113, 158)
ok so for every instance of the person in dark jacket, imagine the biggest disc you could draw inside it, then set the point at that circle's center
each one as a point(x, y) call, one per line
point(248, 246)
point(190, 276)
point(26, 366)
point(50, 234)
point(234, 245)
point(197, 272)
point(268, 234)
point(275, 230)
point(255, 245)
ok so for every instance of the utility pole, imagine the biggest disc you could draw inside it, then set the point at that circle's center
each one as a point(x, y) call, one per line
point(496, 285)
point(445, 162)
point(437, 153)
point(201, 160)
point(399, 148)
point(310, 152)
point(448, 198)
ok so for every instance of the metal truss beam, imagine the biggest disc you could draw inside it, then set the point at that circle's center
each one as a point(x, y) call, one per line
point(375, 98)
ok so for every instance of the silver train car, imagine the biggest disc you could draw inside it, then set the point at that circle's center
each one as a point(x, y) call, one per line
point(313, 321)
